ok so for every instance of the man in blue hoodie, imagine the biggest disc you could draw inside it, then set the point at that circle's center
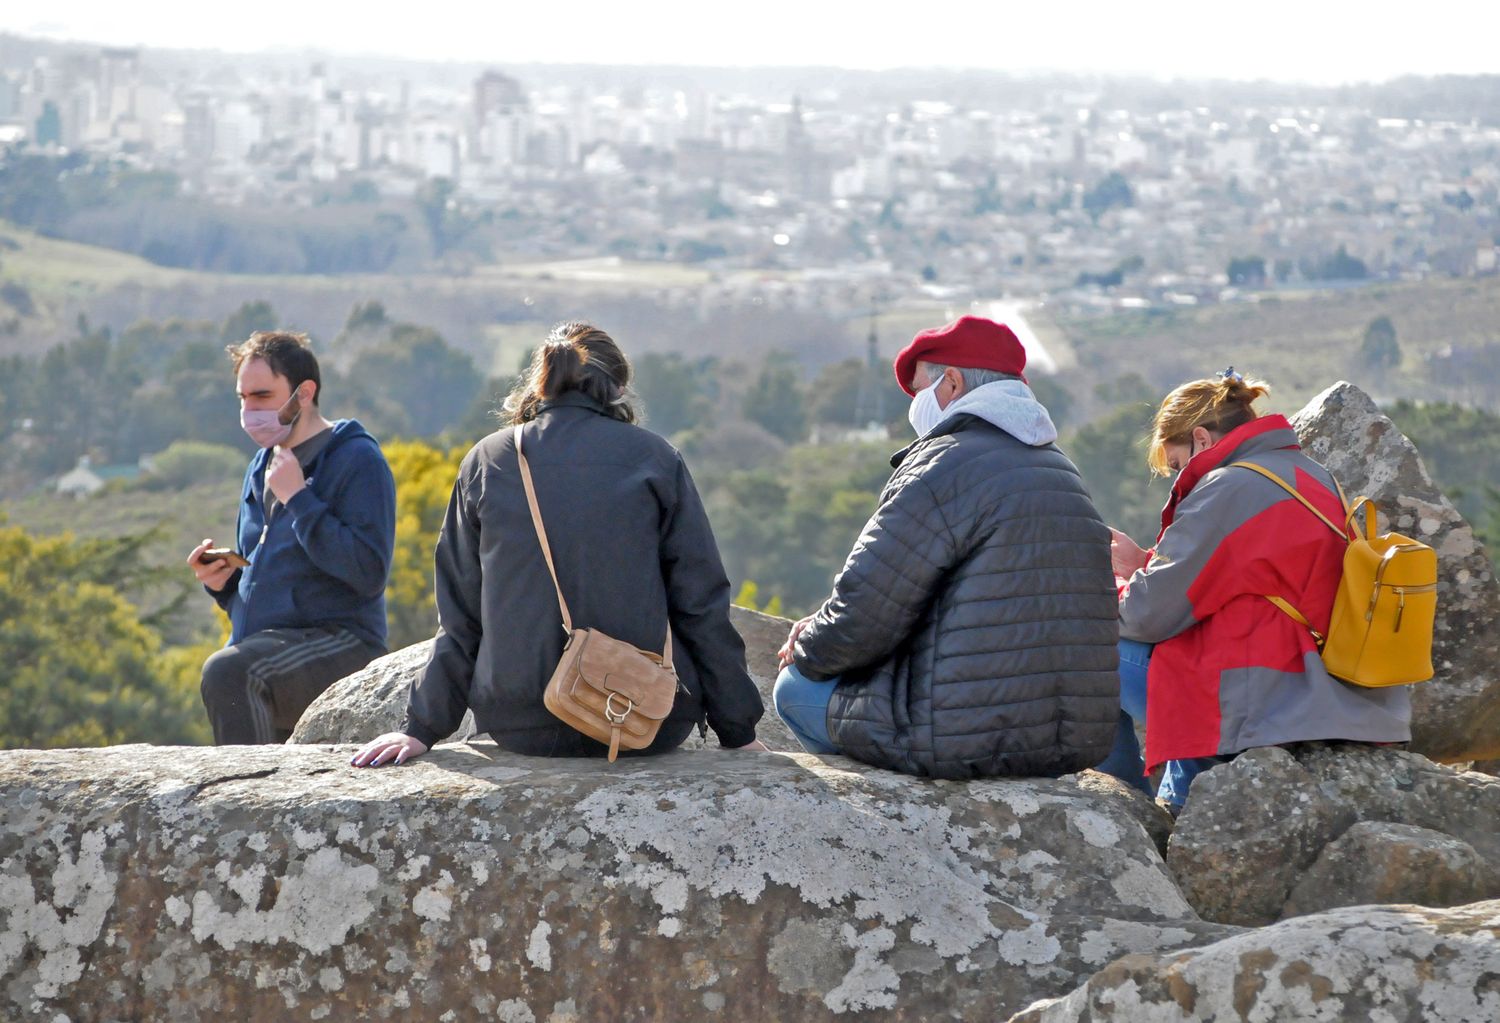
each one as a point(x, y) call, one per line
point(305, 589)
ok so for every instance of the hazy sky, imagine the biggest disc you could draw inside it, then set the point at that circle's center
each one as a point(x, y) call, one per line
point(1324, 41)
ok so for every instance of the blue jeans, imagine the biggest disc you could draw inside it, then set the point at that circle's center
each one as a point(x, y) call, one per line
point(803, 705)
point(1125, 761)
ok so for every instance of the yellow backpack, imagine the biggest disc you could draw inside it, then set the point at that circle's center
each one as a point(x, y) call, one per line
point(1381, 630)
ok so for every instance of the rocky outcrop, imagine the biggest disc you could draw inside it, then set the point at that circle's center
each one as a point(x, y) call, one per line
point(280, 883)
point(1154, 820)
point(373, 700)
point(1375, 862)
point(370, 702)
point(1398, 964)
point(1277, 833)
point(1456, 716)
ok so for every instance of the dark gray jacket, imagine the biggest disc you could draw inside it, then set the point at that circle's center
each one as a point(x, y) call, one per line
point(975, 622)
point(632, 545)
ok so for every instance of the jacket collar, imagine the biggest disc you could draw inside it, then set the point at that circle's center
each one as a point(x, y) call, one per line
point(1267, 433)
point(572, 399)
point(953, 424)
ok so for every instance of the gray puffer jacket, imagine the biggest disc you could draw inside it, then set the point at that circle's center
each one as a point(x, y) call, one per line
point(974, 625)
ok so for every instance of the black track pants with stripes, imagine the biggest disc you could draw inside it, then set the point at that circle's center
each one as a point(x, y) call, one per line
point(256, 690)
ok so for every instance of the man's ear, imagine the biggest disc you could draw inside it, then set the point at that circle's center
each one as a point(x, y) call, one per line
point(956, 381)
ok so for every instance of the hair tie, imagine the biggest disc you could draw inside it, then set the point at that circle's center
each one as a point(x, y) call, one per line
point(1228, 374)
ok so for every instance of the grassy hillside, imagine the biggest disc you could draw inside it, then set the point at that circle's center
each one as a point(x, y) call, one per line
point(648, 306)
point(180, 520)
point(1300, 342)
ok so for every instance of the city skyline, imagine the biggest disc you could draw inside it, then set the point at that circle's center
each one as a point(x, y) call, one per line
point(1328, 43)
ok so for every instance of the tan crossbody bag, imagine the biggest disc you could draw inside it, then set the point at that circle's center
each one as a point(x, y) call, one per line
point(603, 687)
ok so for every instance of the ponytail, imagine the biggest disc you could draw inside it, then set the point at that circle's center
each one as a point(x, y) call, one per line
point(1219, 404)
point(580, 357)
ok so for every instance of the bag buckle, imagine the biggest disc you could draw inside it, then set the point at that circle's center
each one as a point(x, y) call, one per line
point(613, 716)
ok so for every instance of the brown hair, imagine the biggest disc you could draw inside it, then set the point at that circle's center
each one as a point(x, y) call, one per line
point(576, 356)
point(1219, 404)
point(288, 354)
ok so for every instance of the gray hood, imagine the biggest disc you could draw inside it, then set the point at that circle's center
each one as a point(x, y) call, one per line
point(1010, 405)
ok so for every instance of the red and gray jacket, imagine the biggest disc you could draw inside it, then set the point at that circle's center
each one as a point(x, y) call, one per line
point(1230, 670)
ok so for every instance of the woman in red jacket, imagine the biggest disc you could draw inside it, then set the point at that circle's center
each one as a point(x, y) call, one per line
point(1217, 667)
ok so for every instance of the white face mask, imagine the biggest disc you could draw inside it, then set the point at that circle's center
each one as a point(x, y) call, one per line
point(925, 413)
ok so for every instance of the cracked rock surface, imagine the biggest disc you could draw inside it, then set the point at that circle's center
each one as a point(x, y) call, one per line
point(1280, 832)
point(280, 883)
point(1396, 964)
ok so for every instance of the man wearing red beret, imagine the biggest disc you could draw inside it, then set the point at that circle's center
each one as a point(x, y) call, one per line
point(972, 631)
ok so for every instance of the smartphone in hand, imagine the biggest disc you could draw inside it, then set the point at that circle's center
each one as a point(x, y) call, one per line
point(228, 554)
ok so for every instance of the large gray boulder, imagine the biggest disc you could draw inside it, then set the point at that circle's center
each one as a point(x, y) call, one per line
point(1277, 833)
point(268, 883)
point(1376, 862)
point(1397, 964)
point(373, 700)
point(370, 702)
point(1456, 716)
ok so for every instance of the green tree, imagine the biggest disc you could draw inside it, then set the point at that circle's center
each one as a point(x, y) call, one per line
point(1112, 191)
point(1460, 447)
point(1111, 455)
point(369, 315)
point(1054, 396)
point(776, 401)
point(247, 319)
point(834, 395)
point(435, 200)
point(1338, 267)
point(81, 666)
point(789, 526)
point(424, 480)
point(186, 462)
point(1247, 271)
point(49, 125)
point(430, 381)
point(676, 394)
point(1379, 350)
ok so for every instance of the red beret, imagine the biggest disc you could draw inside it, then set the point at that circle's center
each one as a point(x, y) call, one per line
point(969, 342)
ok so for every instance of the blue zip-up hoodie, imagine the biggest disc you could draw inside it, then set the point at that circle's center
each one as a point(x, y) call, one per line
point(326, 556)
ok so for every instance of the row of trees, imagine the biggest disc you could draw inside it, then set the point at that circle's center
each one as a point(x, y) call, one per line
point(1339, 265)
point(118, 398)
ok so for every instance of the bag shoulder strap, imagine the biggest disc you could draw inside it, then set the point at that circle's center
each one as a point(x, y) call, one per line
point(541, 535)
point(1284, 485)
point(541, 531)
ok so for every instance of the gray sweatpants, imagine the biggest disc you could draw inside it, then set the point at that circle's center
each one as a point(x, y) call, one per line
point(256, 690)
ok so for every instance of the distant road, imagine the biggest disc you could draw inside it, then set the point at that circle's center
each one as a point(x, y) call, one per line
point(1012, 314)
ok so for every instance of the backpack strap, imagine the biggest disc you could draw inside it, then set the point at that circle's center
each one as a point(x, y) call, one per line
point(1284, 485)
point(1286, 606)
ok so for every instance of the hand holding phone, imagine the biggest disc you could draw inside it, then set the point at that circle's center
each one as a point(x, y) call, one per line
point(212, 565)
point(229, 554)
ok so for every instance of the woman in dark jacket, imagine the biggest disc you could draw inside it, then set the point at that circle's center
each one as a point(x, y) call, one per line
point(633, 551)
